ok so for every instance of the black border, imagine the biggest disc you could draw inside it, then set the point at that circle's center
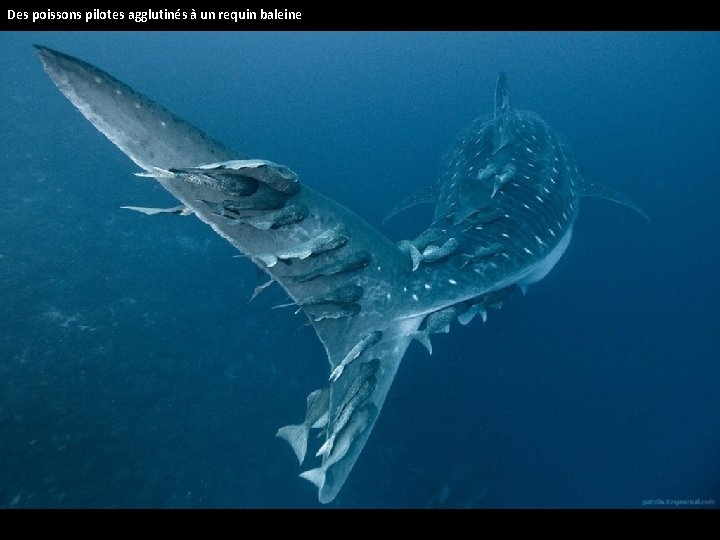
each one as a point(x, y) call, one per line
point(355, 16)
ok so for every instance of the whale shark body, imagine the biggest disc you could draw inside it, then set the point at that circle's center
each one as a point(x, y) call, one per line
point(505, 206)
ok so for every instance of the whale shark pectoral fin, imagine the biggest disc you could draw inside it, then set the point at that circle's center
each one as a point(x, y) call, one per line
point(601, 191)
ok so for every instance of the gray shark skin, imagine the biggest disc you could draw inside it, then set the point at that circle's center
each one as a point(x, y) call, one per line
point(507, 203)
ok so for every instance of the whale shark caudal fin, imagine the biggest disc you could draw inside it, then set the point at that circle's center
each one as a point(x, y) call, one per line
point(349, 280)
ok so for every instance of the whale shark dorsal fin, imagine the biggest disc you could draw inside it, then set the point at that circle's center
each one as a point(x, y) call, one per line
point(504, 118)
point(601, 191)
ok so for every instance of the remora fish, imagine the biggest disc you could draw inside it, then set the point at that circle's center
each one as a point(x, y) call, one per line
point(537, 194)
point(316, 415)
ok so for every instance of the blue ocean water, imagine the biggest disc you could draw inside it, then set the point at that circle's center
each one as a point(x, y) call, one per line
point(133, 372)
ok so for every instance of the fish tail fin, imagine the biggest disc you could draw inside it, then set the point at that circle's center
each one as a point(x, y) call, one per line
point(423, 338)
point(415, 255)
point(315, 476)
point(297, 438)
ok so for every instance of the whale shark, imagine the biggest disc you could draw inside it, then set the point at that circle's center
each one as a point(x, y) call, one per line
point(505, 205)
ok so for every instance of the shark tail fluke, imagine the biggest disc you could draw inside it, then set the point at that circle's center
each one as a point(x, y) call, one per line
point(297, 438)
point(329, 250)
point(130, 120)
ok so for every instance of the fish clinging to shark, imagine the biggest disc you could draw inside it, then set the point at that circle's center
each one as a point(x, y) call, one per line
point(505, 205)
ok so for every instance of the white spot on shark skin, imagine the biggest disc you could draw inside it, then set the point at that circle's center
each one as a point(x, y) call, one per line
point(137, 105)
point(506, 255)
point(379, 268)
point(539, 198)
point(552, 232)
point(555, 170)
point(559, 224)
point(388, 296)
point(539, 240)
point(564, 215)
point(552, 179)
point(528, 149)
point(530, 164)
point(452, 282)
point(404, 289)
point(546, 190)
point(506, 216)
point(526, 206)
point(478, 227)
point(98, 80)
point(528, 251)
point(163, 124)
point(505, 235)
point(415, 297)
point(428, 286)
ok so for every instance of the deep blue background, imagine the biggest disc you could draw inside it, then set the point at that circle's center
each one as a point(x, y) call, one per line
point(134, 374)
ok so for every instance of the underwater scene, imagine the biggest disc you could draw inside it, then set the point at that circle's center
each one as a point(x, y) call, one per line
point(442, 269)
